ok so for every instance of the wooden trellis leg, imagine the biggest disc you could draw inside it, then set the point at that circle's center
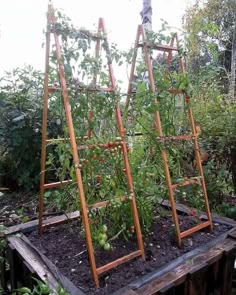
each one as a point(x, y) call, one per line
point(44, 123)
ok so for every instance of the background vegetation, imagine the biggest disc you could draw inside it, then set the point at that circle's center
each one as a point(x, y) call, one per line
point(209, 36)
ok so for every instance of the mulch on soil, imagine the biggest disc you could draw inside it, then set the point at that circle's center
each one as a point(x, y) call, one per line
point(65, 247)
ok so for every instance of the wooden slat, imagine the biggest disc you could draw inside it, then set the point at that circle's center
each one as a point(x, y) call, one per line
point(31, 225)
point(194, 229)
point(227, 273)
point(46, 271)
point(167, 288)
point(57, 184)
point(3, 271)
point(233, 235)
point(52, 89)
point(185, 209)
point(101, 145)
point(175, 91)
point(186, 182)
point(118, 261)
point(175, 138)
point(188, 266)
point(55, 140)
point(105, 203)
point(165, 48)
point(85, 34)
point(61, 219)
point(11, 258)
point(130, 292)
point(171, 91)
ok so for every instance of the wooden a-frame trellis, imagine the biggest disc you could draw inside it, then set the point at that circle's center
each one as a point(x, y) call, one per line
point(51, 22)
point(141, 42)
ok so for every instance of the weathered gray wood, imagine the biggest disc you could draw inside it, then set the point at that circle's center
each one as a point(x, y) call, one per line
point(3, 276)
point(227, 274)
point(11, 254)
point(46, 271)
point(176, 278)
point(31, 225)
point(233, 234)
point(130, 292)
point(185, 209)
point(186, 268)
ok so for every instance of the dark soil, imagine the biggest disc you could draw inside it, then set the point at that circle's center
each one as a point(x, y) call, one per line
point(65, 247)
point(17, 207)
point(20, 207)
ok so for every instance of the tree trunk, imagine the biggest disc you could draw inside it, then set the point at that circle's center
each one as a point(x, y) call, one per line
point(233, 66)
point(146, 14)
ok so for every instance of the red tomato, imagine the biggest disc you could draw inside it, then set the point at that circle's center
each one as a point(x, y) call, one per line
point(99, 178)
point(194, 212)
point(132, 228)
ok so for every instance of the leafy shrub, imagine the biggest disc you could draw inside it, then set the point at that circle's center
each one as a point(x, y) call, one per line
point(20, 125)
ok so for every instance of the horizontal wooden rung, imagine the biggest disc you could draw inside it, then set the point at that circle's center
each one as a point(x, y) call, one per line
point(119, 261)
point(186, 182)
point(166, 48)
point(194, 229)
point(52, 89)
point(85, 34)
point(175, 91)
point(57, 184)
point(61, 219)
point(136, 134)
point(101, 145)
point(52, 140)
point(175, 138)
point(105, 203)
point(172, 91)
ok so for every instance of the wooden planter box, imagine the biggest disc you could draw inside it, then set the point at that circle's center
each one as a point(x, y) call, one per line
point(208, 269)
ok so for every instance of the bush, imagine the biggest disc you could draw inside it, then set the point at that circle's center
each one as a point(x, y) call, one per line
point(217, 117)
point(20, 127)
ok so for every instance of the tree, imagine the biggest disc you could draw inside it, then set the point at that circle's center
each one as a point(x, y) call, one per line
point(233, 66)
point(210, 38)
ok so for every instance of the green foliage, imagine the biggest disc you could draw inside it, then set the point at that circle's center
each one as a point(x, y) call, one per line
point(40, 288)
point(20, 112)
point(228, 210)
point(209, 29)
point(217, 119)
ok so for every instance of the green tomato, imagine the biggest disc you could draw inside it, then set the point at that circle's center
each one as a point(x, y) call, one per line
point(104, 228)
point(102, 243)
point(107, 246)
point(102, 236)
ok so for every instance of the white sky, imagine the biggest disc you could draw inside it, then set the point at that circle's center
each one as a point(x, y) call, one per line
point(23, 21)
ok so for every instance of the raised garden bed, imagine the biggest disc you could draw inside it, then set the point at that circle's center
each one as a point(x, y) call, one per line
point(59, 257)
